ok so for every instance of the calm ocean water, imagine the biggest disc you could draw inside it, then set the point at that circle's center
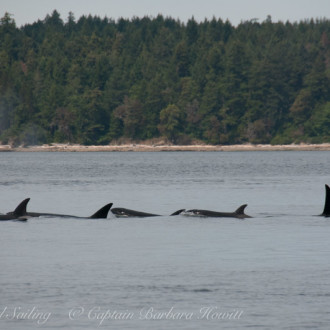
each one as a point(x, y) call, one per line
point(268, 272)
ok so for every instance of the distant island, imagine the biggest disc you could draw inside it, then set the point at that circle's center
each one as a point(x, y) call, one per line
point(92, 81)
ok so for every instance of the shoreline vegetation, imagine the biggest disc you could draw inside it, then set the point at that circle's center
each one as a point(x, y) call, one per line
point(55, 147)
point(94, 81)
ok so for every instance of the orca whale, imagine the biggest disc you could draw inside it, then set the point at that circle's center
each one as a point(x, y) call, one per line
point(102, 213)
point(326, 211)
point(120, 212)
point(19, 214)
point(239, 213)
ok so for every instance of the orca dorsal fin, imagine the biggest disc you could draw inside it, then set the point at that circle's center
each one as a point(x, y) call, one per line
point(241, 209)
point(102, 213)
point(21, 208)
point(326, 210)
point(178, 212)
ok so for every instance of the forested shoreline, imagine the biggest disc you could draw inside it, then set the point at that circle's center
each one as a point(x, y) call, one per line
point(97, 80)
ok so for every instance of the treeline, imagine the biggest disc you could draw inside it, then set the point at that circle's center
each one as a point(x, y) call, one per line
point(94, 80)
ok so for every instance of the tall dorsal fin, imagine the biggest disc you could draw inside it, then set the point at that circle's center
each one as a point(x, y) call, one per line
point(240, 210)
point(21, 208)
point(102, 213)
point(326, 210)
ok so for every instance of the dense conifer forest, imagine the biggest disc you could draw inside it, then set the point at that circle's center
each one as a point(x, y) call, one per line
point(97, 80)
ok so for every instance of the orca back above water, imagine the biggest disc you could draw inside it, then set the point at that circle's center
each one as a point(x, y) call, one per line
point(102, 213)
point(121, 212)
point(19, 214)
point(326, 210)
point(239, 213)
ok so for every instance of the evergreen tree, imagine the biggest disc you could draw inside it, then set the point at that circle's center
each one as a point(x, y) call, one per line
point(91, 80)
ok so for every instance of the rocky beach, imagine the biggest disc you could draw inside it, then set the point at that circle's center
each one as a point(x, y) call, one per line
point(160, 147)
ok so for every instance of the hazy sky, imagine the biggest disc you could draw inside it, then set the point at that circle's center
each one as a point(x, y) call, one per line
point(29, 11)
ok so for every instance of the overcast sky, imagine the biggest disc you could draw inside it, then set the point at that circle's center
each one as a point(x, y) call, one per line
point(29, 11)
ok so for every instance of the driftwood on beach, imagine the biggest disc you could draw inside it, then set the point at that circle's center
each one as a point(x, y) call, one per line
point(153, 148)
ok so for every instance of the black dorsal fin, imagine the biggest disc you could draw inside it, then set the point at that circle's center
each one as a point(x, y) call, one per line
point(326, 210)
point(21, 208)
point(102, 213)
point(241, 209)
point(178, 212)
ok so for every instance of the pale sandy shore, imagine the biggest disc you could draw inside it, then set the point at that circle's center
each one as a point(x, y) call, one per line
point(154, 148)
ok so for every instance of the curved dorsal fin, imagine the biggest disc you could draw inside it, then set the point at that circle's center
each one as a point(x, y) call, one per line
point(102, 213)
point(178, 212)
point(240, 210)
point(326, 210)
point(21, 208)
